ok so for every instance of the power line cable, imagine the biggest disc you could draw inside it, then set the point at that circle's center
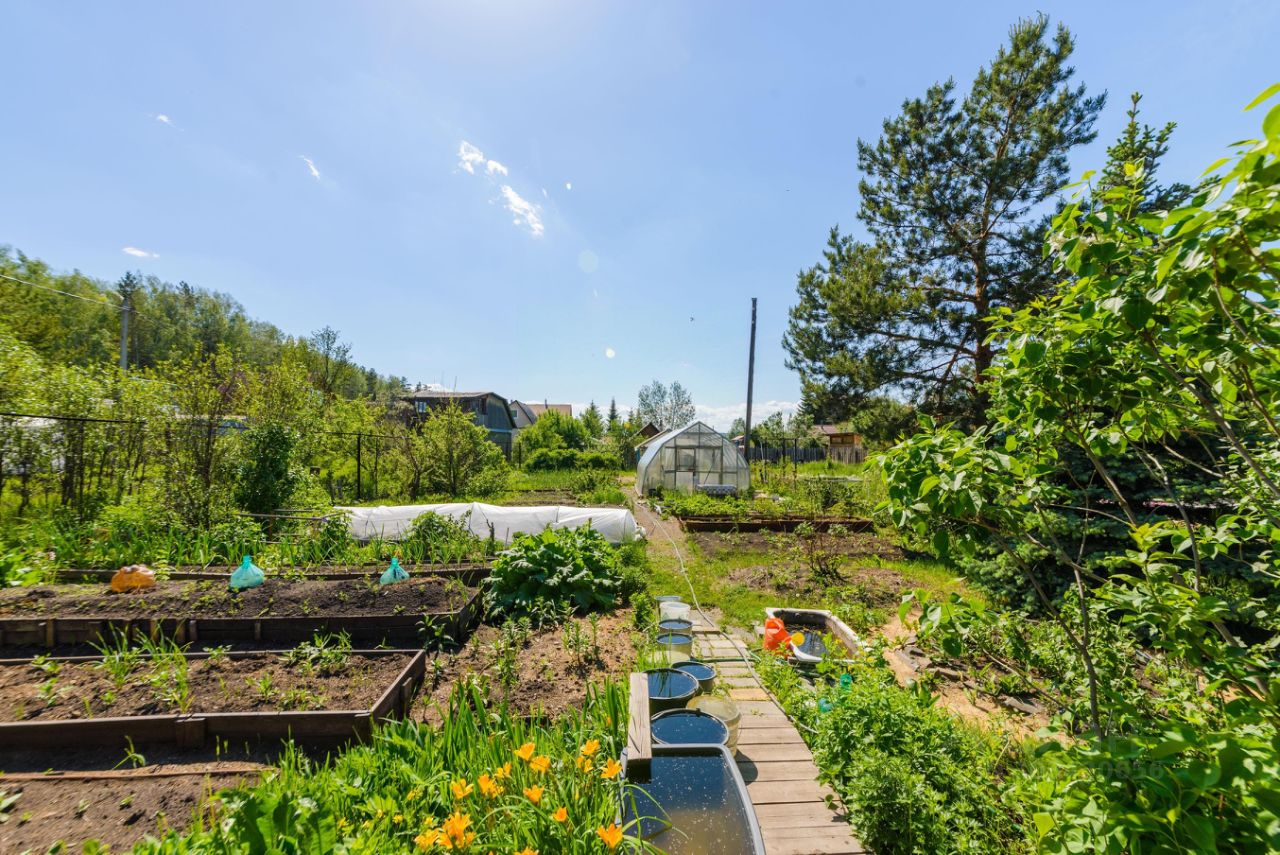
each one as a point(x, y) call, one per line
point(58, 291)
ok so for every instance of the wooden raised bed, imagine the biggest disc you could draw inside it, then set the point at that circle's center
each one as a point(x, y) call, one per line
point(192, 730)
point(369, 629)
point(706, 522)
point(470, 574)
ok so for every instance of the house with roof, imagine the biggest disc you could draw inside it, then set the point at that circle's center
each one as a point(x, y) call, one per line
point(489, 410)
point(524, 413)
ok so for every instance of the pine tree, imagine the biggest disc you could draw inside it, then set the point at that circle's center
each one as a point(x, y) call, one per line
point(953, 198)
point(613, 413)
point(1142, 145)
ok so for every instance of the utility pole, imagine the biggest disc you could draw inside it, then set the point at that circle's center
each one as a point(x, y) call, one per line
point(751, 382)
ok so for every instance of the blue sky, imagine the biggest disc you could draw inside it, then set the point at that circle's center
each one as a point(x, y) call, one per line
point(556, 200)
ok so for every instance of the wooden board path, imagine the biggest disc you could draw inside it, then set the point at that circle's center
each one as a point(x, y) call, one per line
point(782, 781)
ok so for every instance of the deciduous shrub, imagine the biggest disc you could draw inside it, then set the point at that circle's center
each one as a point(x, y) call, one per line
point(542, 576)
point(547, 459)
point(915, 779)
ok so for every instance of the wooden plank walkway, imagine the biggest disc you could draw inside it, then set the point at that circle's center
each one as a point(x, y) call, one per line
point(775, 762)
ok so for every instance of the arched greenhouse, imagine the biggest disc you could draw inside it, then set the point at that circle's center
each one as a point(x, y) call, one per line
point(690, 457)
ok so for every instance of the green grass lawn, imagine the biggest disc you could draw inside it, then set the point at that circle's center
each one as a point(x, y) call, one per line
point(867, 598)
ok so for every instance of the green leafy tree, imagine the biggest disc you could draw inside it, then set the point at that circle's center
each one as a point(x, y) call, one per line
point(457, 459)
point(553, 430)
point(1164, 328)
point(592, 422)
point(952, 198)
point(665, 406)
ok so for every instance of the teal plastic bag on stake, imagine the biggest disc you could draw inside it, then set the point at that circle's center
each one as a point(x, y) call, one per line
point(247, 575)
point(394, 573)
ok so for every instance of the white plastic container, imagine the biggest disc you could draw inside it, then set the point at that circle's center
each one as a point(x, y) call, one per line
point(673, 611)
point(725, 710)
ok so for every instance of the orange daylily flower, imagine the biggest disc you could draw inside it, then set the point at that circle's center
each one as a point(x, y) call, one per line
point(503, 771)
point(611, 769)
point(611, 836)
point(584, 765)
point(461, 789)
point(427, 839)
point(592, 746)
point(489, 787)
point(527, 851)
point(533, 794)
point(524, 752)
point(541, 763)
point(561, 815)
point(454, 831)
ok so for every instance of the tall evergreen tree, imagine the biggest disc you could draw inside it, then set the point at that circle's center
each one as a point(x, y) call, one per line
point(953, 197)
point(1134, 158)
point(613, 414)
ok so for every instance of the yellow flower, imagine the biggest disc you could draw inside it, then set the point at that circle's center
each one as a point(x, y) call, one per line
point(592, 746)
point(413, 794)
point(540, 764)
point(611, 769)
point(584, 765)
point(611, 836)
point(503, 771)
point(427, 839)
point(533, 794)
point(430, 822)
point(524, 752)
point(561, 815)
point(461, 789)
point(489, 787)
point(454, 830)
point(398, 818)
point(527, 851)
point(368, 823)
point(343, 824)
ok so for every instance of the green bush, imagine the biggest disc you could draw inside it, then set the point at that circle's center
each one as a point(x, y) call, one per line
point(543, 576)
point(548, 459)
point(915, 779)
point(266, 473)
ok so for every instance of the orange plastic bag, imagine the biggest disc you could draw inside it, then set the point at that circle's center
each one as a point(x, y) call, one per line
point(775, 634)
point(133, 577)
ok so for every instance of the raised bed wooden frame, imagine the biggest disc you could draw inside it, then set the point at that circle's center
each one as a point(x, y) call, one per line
point(757, 523)
point(192, 730)
point(374, 629)
point(470, 574)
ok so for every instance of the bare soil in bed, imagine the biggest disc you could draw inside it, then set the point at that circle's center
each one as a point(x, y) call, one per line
point(257, 682)
point(549, 676)
point(274, 598)
point(853, 545)
point(94, 796)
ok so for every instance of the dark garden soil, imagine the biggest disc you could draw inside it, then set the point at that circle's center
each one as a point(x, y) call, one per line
point(854, 545)
point(257, 682)
point(90, 798)
point(274, 598)
point(876, 587)
point(549, 676)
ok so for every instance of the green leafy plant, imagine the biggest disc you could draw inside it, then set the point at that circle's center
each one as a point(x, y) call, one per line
point(325, 654)
point(544, 575)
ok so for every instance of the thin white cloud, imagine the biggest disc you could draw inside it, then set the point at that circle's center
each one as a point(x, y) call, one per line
point(469, 157)
point(163, 119)
point(138, 253)
point(721, 417)
point(523, 212)
point(311, 167)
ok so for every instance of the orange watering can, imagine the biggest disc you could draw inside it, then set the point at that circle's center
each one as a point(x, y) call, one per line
point(776, 636)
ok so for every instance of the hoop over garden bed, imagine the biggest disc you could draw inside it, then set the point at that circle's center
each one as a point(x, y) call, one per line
point(233, 696)
point(278, 611)
point(469, 573)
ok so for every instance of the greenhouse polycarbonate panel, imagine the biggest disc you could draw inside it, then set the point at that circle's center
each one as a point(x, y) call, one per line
point(693, 455)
